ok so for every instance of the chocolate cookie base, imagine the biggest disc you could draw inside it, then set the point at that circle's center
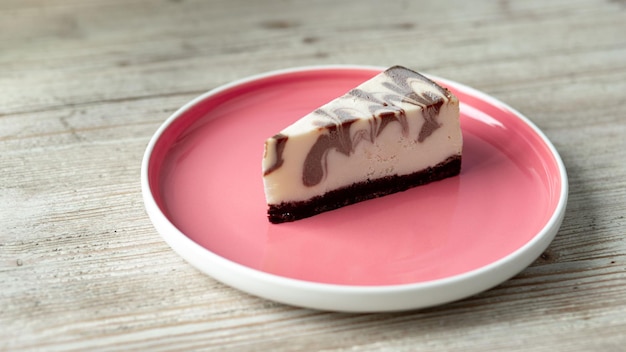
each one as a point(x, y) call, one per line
point(358, 192)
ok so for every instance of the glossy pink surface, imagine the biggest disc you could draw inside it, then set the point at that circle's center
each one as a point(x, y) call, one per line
point(205, 174)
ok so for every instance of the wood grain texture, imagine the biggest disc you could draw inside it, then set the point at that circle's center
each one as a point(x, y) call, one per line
point(85, 83)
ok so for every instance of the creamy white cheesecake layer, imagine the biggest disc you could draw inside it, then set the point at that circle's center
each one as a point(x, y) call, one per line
point(396, 150)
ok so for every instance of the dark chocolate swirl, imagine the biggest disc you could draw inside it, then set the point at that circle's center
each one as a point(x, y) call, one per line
point(385, 105)
point(281, 140)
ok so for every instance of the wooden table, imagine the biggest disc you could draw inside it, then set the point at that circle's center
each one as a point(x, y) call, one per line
point(85, 84)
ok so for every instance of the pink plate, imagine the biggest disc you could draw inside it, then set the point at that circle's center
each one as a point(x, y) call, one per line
point(203, 190)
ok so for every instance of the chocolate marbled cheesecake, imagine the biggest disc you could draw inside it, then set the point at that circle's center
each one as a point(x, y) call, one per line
point(395, 131)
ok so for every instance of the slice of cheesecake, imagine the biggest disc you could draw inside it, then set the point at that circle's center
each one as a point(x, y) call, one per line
point(395, 131)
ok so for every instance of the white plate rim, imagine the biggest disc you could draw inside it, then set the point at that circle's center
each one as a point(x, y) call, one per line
point(348, 298)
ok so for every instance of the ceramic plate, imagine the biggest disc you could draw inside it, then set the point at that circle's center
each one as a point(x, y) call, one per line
point(203, 190)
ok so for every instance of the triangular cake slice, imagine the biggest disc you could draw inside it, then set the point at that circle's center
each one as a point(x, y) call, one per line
point(395, 131)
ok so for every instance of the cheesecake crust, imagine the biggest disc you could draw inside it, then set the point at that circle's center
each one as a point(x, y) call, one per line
point(361, 191)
